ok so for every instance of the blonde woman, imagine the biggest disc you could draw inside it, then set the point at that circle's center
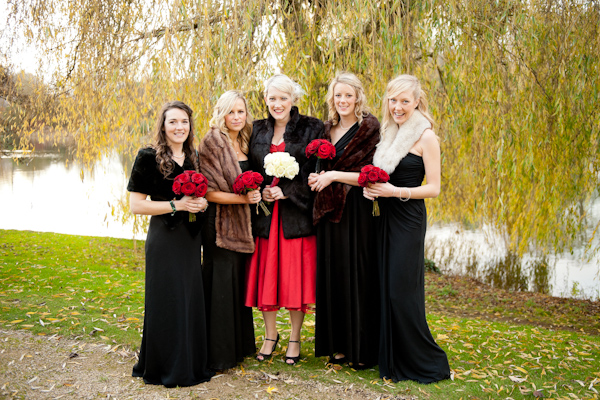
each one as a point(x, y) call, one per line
point(281, 272)
point(347, 328)
point(409, 150)
point(173, 350)
point(227, 233)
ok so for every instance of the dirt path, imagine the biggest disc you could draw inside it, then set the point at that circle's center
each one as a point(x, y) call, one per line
point(38, 367)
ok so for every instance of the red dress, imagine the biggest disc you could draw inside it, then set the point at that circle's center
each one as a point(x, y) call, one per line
point(282, 272)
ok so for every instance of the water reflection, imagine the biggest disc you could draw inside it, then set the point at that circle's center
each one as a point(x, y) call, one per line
point(481, 254)
point(48, 194)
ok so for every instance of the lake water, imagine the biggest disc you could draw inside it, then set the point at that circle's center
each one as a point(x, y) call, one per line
point(43, 193)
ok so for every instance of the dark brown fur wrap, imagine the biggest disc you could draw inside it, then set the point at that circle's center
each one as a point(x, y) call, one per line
point(219, 163)
point(295, 211)
point(330, 201)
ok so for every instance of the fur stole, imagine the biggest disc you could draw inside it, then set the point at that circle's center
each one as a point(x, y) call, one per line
point(330, 201)
point(218, 162)
point(396, 145)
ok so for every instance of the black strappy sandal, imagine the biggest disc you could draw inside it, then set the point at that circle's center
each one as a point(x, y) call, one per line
point(293, 359)
point(264, 356)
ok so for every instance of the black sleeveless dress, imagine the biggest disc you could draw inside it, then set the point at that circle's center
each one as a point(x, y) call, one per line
point(230, 324)
point(347, 318)
point(174, 348)
point(407, 350)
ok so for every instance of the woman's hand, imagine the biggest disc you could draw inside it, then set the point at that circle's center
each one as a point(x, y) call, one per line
point(375, 190)
point(320, 181)
point(252, 197)
point(273, 193)
point(191, 204)
point(266, 194)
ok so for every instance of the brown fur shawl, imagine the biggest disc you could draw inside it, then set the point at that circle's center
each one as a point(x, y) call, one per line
point(219, 164)
point(330, 201)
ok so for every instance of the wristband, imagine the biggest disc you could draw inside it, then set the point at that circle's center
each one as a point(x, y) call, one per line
point(172, 207)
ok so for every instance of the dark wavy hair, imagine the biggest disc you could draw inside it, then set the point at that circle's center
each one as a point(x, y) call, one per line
point(160, 144)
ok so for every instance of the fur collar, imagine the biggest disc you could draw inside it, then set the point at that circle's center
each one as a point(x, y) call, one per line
point(395, 146)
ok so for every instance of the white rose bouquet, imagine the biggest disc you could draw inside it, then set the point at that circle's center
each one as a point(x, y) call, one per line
point(281, 165)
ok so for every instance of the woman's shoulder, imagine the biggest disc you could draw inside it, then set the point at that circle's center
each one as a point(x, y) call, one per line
point(213, 138)
point(428, 140)
point(371, 122)
point(311, 123)
point(259, 125)
point(146, 154)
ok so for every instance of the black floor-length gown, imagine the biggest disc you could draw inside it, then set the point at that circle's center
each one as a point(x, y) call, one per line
point(347, 317)
point(174, 348)
point(230, 324)
point(407, 349)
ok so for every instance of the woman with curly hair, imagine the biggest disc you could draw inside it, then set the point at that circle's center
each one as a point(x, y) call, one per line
point(347, 320)
point(173, 350)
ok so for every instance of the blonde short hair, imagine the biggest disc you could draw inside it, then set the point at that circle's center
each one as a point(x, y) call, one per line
point(360, 108)
point(284, 84)
point(400, 84)
point(223, 107)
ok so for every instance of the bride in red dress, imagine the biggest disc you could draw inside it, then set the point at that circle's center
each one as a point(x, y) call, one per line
point(282, 270)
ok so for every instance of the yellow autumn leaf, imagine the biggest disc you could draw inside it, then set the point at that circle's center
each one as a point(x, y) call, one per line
point(271, 389)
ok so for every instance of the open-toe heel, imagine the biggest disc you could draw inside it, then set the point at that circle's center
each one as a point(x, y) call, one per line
point(294, 360)
point(264, 356)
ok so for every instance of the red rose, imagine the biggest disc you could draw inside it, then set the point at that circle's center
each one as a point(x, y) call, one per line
point(198, 178)
point(188, 189)
point(326, 151)
point(201, 190)
point(258, 179)
point(312, 147)
point(373, 176)
point(183, 178)
point(176, 187)
point(248, 179)
point(190, 172)
point(362, 180)
point(383, 176)
point(367, 168)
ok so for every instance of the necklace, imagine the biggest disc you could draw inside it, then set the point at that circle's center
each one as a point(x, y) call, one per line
point(178, 157)
point(342, 126)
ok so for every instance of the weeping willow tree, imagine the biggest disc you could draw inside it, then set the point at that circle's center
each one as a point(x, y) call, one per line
point(513, 85)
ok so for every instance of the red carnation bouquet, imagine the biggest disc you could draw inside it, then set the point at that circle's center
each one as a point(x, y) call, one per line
point(372, 174)
point(323, 149)
point(191, 183)
point(248, 181)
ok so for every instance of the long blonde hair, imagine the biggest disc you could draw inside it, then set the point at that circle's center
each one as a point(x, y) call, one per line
point(222, 108)
point(402, 83)
point(360, 107)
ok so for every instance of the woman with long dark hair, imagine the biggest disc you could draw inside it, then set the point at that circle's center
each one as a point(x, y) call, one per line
point(173, 350)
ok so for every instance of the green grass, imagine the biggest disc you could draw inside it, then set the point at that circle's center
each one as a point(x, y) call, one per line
point(52, 284)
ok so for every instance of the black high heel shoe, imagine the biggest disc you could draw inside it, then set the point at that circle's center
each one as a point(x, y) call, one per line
point(293, 359)
point(264, 356)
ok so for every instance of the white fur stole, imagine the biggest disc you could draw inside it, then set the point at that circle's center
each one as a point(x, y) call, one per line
point(395, 146)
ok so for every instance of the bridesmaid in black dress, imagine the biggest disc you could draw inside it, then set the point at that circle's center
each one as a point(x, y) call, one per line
point(347, 319)
point(409, 150)
point(173, 351)
point(227, 233)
